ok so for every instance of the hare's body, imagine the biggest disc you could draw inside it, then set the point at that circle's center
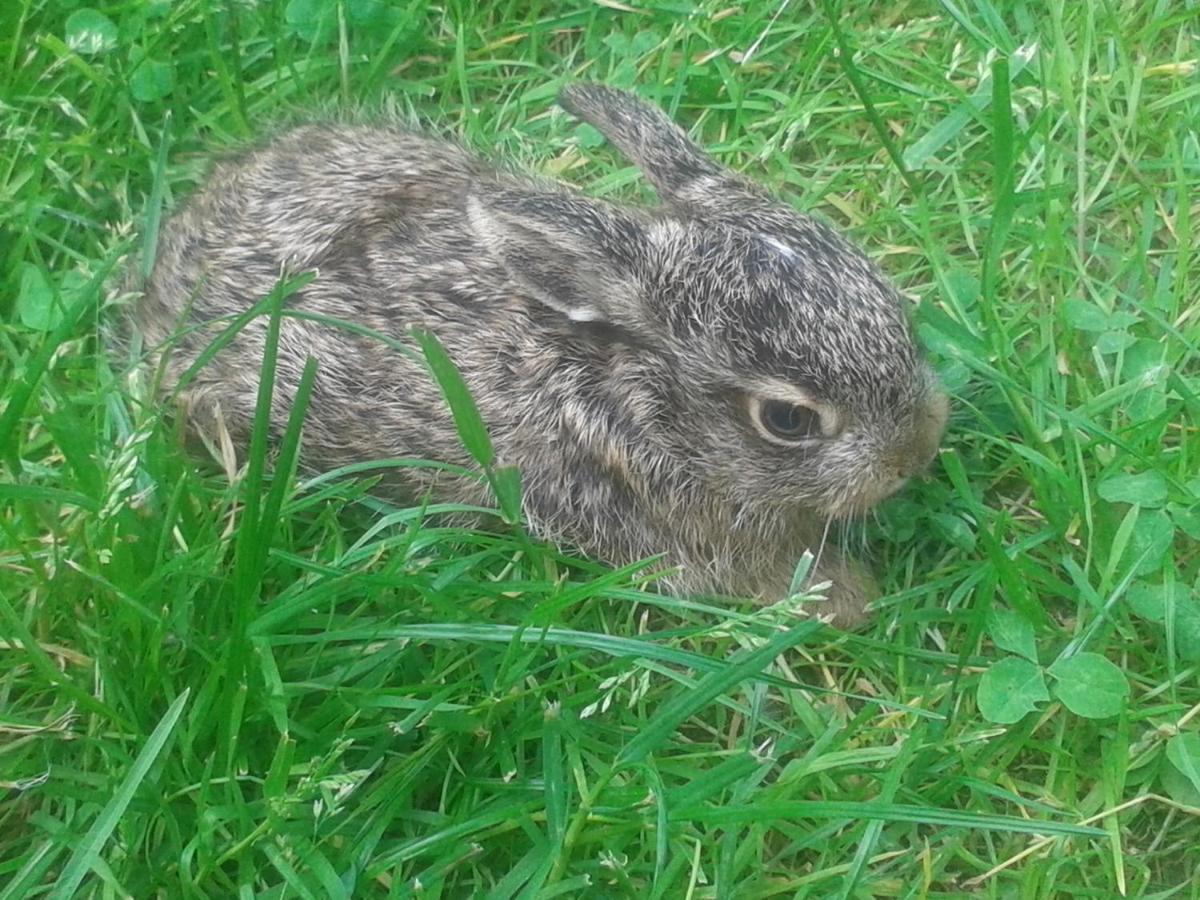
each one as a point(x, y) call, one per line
point(712, 380)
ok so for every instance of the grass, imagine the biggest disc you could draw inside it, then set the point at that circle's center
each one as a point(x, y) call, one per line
point(258, 689)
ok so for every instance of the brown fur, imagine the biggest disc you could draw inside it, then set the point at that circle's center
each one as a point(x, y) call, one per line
point(612, 351)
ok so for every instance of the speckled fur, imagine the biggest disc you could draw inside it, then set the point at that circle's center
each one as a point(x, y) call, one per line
point(610, 349)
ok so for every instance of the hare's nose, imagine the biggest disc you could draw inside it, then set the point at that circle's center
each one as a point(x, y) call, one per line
point(928, 428)
point(915, 451)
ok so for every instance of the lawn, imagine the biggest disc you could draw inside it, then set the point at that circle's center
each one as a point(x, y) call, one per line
point(216, 686)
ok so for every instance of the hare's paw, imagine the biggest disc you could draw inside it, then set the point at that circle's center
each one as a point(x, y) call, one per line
point(850, 593)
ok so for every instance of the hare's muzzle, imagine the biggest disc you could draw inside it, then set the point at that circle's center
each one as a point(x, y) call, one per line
point(912, 450)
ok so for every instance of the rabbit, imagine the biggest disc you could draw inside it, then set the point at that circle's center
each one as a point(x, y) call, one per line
point(715, 379)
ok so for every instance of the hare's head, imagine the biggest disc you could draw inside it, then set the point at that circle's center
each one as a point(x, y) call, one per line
point(782, 364)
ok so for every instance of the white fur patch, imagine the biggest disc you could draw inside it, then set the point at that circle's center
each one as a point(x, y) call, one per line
point(584, 314)
point(780, 246)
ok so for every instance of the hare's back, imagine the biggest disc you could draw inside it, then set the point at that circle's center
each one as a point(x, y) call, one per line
point(285, 205)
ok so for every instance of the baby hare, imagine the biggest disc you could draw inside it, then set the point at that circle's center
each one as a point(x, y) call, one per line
point(715, 379)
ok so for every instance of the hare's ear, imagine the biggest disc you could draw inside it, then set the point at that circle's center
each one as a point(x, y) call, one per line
point(577, 256)
point(683, 174)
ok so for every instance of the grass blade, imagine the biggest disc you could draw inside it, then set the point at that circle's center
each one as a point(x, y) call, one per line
point(154, 204)
point(687, 703)
point(20, 393)
point(88, 849)
point(471, 430)
point(889, 812)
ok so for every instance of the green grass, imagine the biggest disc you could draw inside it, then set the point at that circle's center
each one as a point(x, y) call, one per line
point(210, 690)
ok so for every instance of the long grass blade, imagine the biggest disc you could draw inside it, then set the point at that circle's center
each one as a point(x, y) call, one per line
point(87, 851)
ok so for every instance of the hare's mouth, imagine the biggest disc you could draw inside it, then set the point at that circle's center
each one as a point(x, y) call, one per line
point(857, 503)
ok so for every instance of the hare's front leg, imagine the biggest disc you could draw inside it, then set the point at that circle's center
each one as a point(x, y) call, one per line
point(852, 589)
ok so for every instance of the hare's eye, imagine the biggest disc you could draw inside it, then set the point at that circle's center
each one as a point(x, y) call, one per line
point(789, 422)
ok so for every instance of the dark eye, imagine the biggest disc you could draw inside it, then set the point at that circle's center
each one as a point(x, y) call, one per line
point(789, 421)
